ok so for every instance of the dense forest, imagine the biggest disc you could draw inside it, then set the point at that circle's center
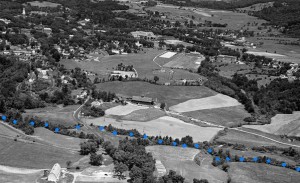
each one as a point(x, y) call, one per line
point(285, 15)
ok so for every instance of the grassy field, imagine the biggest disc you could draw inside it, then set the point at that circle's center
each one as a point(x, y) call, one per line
point(181, 60)
point(282, 124)
point(170, 94)
point(124, 109)
point(212, 102)
point(164, 126)
point(261, 173)
point(144, 115)
point(291, 52)
point(5, 130)
point(142, 62)
point(233, 19)
point(181, 160)
point(43, 4)
point(55, 115)
point(226, 116)
point(57, 139)
point(17, 178)
point(27, 155)
point(249, 140)
point(262, 80)
point(228, 70)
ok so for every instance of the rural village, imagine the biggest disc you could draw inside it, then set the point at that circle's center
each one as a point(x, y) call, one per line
point(198, 91)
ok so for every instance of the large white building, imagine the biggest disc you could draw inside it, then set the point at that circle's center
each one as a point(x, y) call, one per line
point(54, 173)
point(143, 35)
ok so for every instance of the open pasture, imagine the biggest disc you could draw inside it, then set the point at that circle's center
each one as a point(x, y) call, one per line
point(262, 80)
point(281, 124)
point(123, 109)
point(225, 116)
point(181, 161)
point(144, 115)
point(44, 4)
point(55, 115)
point(142, 62)
point(168, 75)
point(185, 61)
point(30, 155)
point(212, 102)
point(228, 70)
point(56, 139)
point(164, 126)
point(8, 131)
point(234, 20)
point(171, 95)
point(251, 140)
point(261, 173)
point(17, 178)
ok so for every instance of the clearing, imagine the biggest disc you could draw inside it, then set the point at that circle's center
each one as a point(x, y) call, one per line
point(185, 61)
point(171, 95)
point(144, 115)
point(30, 155)
point(55, 115)
point(281, 124)
point(48, 136)
point(164, 126)
point(250, 140)
point(212, 102)
point(261, 173)
point(225, 116)
point(182, 161)
point(124, 109)
point(43, 4)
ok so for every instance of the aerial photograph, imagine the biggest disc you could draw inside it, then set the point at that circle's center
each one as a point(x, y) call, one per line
point(149, 91)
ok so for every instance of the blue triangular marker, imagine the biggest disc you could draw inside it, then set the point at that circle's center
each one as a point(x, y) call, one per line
point(196, 146)
point(115, 133)
point(15, 121)
point(160, 141)
point(283, 164)
point(101, 128)
point(184, 145)
point(46, 125)
point(3, 117)
point(227, 159)
point(131, 134)
point(174, 143)
point(242, 159)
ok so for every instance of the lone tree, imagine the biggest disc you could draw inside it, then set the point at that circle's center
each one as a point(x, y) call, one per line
point(156, 78)
point(163, 105)
point(120, 168)
point(96, 159)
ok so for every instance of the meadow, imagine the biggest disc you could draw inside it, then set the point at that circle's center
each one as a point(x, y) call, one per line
point(48, 136)
point(250, 140)
point(182, 161)
point(261, 173)
point(144, 115)
point(281, 124)
point(225, 116)
point(164, 126)
point(17, 178)
point(171, 95)
point(30, 155)
point(212, 102)
point(43, 4)
point(55, 115)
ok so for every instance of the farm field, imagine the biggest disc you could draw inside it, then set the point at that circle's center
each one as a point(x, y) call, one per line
point(142, 62)
point(56, 139)
point(250, 140)
point(185, 61)
point(124, 110)
point(281, 124)
point(225, 116)
point(171, 95)
point(291, 52)
point(7, 131)
point(181, 161)
point(216, 101)
point(262, 80)
point(30, 155)
point(233, 19)
point(164, 126)
point(228, 70)
point(144, 115)
point(43, 4)
point(261, 173)
point(55, 115)
point(17, 178)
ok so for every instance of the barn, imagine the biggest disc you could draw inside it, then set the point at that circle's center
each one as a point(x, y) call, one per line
point(54, 173)
point(142, 100)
